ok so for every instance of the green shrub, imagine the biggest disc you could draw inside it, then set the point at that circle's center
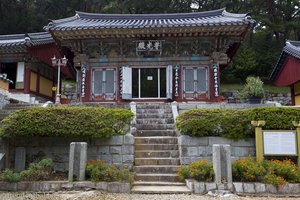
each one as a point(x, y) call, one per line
point(183, 173)
point(38, 171)
point(253, 88)
point(200, 170)
point(100, 171)
point(11, 176)
point(93, 122)
point(234, 123)
point(273, 172)
point(247, 170)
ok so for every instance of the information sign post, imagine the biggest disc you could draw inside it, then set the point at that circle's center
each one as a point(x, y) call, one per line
point(276, 142)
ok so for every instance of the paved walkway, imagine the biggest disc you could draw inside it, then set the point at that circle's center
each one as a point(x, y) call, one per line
point(94, 195)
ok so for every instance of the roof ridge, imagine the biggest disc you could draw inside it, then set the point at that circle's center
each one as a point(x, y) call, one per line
point(13, 36)
point(150, 16)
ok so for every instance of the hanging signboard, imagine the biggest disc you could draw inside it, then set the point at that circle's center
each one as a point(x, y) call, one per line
point(279, 143)
point(83, 80)
point(216, 79)
point(148, 45)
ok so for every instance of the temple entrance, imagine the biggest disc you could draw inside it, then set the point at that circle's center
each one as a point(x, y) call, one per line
point(149, 83)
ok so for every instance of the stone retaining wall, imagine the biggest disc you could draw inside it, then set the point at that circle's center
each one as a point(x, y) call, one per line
point(118, 150)
point(244, 188)
point(200, 148)
point(47, 186)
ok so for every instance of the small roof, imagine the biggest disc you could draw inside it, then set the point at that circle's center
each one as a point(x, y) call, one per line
point(134, 21)
point(287, 70)
point(19, 42)
point(292, 48)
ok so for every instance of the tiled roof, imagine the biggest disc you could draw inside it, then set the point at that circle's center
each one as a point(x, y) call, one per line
point(135, 21)
point(19, 42)
point(291, 48)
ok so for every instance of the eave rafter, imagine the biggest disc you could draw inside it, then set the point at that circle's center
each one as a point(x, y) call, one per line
point(148, 33)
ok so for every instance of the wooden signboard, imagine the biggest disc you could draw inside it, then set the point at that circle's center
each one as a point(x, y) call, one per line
point(276, 142)
point(279, 142)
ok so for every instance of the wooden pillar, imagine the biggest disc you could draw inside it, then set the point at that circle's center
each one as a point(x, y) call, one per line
point(259, 139)
point(297, 125)
point(27, 80)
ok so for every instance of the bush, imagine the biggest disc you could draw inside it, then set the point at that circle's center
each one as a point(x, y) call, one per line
point(200, 170)
point(234, 123)
point(40, 171)
point(273, 172)
point(248, 170)
point(253, 88)
point(11, 176)
point(100, 171)
point(183, 173)
point(93, 122)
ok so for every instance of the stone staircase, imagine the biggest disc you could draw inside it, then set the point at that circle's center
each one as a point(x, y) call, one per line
point(156, 151)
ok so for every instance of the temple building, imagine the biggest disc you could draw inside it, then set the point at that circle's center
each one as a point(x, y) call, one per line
point(150, 57)
point(26, 72)
point(287, 70)
point(127, 57)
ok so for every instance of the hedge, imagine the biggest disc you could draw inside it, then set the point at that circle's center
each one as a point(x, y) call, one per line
point(234, 123)
point(91, 122)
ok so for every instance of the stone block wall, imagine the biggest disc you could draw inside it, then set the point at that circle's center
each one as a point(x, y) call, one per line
point(200, 148)
point(118, 150)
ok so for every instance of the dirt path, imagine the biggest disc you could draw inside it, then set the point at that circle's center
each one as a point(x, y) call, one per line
point(94, 195)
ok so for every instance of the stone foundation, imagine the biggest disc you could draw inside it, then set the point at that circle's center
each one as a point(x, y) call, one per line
point(244, 188)
point(47, 186)
point(118, 150)
point(200, 148)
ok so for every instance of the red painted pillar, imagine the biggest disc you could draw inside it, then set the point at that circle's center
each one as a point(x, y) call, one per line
point(293, 94)
point(27, 80)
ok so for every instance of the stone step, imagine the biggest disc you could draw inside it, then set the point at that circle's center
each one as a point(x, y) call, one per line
point(155, 121)
point(157, 177)
point(3, 115)
point(156, 140)
point(17, 107)
point(158, 189)
point(155, 183)
point(157, 147)
point(155, 126)
point(159, 169)
point(156, 161)
point(150, 133)
point(157, 154)
point(154, 115)
point(153, 106)
point(154, 110)
point(7, 112)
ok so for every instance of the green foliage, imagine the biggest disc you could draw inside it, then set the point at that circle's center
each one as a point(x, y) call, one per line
point(93, 122)
point(234, 123)
point(273, 172)
point(200, 170)
point(99, 171)
point(11, 176)
point(183, 173)
point(247, 170)
point(253, 88)
point(244, 63)
point(38, 171)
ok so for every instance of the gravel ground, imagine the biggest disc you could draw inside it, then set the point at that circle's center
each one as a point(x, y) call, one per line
point(94, 195)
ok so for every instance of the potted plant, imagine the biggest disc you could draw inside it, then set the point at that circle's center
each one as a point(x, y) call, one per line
point(253, 90)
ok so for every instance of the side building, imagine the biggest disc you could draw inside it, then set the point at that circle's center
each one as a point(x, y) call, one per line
point(25, 66)
point(287, 70)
